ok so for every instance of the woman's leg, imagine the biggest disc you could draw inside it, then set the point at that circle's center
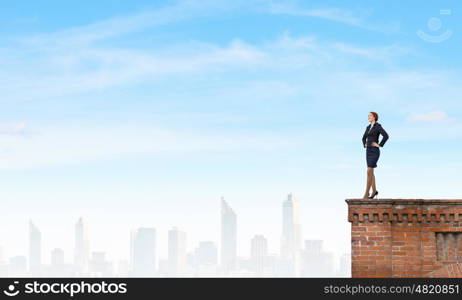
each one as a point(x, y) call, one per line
point(369, 182)
point(374, 189)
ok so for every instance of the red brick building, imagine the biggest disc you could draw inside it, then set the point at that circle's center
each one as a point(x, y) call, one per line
point(405, 237)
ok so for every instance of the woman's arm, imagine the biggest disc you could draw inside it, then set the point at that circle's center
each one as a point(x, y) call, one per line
point(385, 136)
point(364, 138)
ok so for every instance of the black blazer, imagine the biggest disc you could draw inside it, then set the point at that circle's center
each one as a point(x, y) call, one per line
point(373, 135)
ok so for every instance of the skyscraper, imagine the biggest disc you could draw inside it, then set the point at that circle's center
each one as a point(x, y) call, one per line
point(3, 264)
point(143, 251)
point(291, 230)
point(176, 252)
point(57, 257)
point(99, 266)
point(315, 261)
point(258, 253)
point(345, 265)
point(35, 249)
point(17, 266)
point(228, 237)
point(1, 255)
point(206, 253)
point(82, 247)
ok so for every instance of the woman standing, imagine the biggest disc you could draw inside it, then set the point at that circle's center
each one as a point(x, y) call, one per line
point(371, 143)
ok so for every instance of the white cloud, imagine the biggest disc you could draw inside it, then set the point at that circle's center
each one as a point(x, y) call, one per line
point(183, 10)
point(89, 69)
point(13, 128)
point(381, 53)
point(333, 14)
point(68, 61)
point(438, 116)
point(124, 24)
point(286, 67)
point(71, 144)
point(344, 16)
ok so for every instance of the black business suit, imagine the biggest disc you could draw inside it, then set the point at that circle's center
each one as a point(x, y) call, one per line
point(370, 136)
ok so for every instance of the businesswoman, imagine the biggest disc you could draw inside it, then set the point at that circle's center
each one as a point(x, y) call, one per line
point(371, 143)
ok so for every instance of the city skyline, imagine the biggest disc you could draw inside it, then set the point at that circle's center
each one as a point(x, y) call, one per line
point(200, 261)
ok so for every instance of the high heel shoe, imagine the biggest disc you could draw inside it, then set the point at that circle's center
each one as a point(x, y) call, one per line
point(374, 195)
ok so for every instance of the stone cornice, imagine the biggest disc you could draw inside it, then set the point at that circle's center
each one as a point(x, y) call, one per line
point(405, 210)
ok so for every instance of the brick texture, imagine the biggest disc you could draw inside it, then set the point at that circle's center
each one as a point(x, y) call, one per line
point(405, 237)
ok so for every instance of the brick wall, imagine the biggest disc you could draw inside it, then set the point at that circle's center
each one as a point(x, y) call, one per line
point(405, 237)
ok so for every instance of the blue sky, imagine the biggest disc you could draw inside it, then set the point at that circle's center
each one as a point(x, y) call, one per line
point(144, 113)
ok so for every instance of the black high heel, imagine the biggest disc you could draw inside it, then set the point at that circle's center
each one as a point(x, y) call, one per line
point(374, 195)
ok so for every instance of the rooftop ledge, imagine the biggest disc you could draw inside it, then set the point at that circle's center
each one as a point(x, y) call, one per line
point(404, 210)
point(397, 201)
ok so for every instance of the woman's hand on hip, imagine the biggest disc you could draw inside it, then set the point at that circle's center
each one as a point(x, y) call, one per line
point(375, 144)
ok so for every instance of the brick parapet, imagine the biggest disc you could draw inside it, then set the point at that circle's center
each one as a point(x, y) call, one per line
point(405, 237)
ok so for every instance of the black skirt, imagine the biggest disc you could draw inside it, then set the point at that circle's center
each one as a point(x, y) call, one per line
point(372, 156)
